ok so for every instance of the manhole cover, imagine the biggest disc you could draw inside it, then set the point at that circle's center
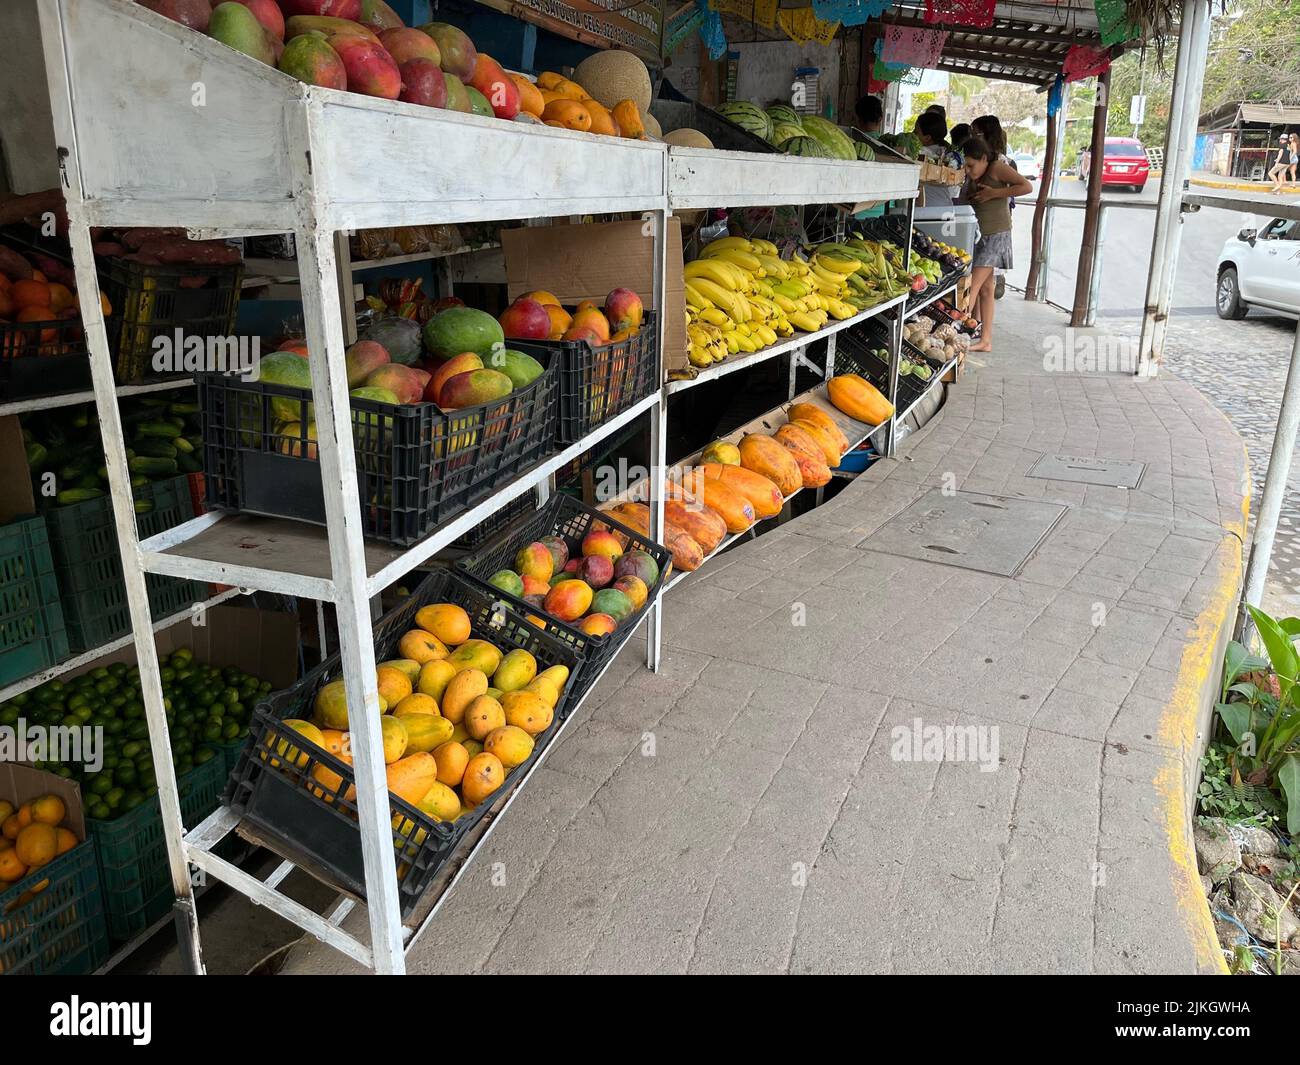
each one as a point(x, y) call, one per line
point(1114, 473)
point(992, 534)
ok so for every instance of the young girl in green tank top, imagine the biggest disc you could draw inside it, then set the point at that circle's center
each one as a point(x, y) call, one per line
point(990, 184)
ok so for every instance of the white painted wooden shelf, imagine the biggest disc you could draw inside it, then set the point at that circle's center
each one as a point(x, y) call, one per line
point(158, 125)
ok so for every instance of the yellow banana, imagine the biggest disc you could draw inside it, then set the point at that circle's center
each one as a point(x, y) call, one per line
point(804, 321)
point(764, 247)
point(841, 310)
point(720, 296)
point(745, 260)
point(746, 343)
point(785, 303)
point(762, 288)
point(710, 270)
point(766, 334)
point(836, 264)
point(714, 316)
point(696, 299)
point(733, 343)
point(828, 276)
point(728, 242)
point(774, 267)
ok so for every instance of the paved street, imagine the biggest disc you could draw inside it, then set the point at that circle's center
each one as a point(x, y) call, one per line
point(1239, 366)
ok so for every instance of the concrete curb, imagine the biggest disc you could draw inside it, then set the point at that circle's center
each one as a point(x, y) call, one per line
point(1239, 186)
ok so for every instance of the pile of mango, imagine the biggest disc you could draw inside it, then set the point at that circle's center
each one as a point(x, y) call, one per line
point(363, 46)
point(457, 715)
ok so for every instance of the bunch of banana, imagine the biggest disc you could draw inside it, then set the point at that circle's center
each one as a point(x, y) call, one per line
point(881, 277)
point(730, 297)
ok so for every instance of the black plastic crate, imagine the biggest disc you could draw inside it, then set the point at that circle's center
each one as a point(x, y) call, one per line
point(489, 527)
point(572, 519)
point(417, 465)
point(88, 562)
point(314, 823)
point(853, 354)
point(59, 930)
point(41, 358)
point(155, 300)
point(598, 383)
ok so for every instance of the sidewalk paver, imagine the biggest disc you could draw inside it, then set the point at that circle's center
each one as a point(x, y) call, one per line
point(760, 806)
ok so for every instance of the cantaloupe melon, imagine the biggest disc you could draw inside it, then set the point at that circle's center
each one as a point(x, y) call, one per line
point(687, 138)
point(651, 123)
point(612, 76)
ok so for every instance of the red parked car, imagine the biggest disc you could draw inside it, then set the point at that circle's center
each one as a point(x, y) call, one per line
point(1124, 163)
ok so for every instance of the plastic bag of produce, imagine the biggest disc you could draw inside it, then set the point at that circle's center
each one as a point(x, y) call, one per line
point(400, 336)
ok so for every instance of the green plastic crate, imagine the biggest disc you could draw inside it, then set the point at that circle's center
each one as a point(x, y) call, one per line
point(33, 634)
point(131, 852)
point(83, 538)
point(60, 931)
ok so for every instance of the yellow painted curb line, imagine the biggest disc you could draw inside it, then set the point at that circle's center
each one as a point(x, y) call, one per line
point(1240, 186)
point(1199, 667)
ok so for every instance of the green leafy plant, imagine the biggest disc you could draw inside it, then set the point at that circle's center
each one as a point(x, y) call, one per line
point(1234, 802)
point(1264, 727)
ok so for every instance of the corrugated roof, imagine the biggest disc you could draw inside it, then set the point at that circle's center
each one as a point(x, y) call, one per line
point(1270, 114)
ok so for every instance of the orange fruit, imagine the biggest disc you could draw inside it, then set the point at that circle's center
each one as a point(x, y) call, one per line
point(601, 120)
point(66, 840)
point(11, 866)
point(6, 808)
point(7, 305)
point(24, 815)
point(483, 775)
point(31, 294)
point(447, 621)
point(61, 297)
point(560, 320)
point(37, 275)
point(530, 96)
point(36, 844)
point(452, 758)
point(11, 827)
point(394, 685)
point(570, 114)
point(49, 810)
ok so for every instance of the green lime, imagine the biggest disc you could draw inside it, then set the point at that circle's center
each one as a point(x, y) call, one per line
point(113, 797)
point(100, 811)
point(102, 784)
point(204, 754)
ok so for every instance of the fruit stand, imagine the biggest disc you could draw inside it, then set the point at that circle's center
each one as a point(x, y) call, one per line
point(267, 154)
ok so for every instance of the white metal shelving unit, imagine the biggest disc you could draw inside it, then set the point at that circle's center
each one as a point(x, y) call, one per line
point(262, 153)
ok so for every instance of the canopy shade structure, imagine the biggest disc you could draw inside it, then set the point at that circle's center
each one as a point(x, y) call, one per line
point(1027, 41)
point(1229, 115)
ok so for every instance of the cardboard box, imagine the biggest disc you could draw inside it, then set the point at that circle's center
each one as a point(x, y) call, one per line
point(584, 262)
point(16, 497)
point(21, 783)
point(263, 643)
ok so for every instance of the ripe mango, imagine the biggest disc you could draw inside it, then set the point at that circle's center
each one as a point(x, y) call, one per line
point(462, 690)
point(515, 671)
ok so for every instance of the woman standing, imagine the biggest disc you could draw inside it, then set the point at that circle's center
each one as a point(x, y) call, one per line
point(990, 184)
point(1295, 155)
point(1278, 172)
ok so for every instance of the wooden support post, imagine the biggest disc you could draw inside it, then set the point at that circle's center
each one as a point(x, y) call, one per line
point(1088, 245)
point(1046, 182)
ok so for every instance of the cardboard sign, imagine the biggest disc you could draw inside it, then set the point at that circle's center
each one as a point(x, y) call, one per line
point(584, 262)
point(16, 498)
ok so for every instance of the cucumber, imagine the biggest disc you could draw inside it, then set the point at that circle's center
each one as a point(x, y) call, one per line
point(166, 430)
point(183, 444)
point(139, 480)
point(153, 467)
point(143, 506)
point(184, 408)
point(188, 463)
point(70, 496)
point(155, 448)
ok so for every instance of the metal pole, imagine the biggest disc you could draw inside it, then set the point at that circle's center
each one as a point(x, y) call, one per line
point(658, 430)
point(119, 480)
point(1094, 277)
point(1275, 482)
point(1049, 216)
point(1175, 174)
point(1185, 95)
point(1045, 183)
point(1088, 243)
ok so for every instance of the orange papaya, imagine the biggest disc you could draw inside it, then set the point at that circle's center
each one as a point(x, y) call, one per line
point(810, 412)
point(734, 508)
point(763, 495)
point(698, 521)
point(828, 448)
point(859, 399)
point(766, 456)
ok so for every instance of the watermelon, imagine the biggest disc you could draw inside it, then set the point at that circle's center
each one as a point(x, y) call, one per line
point(779, 113)
point(832, 138)
point(748, 117)
point(809, 146)
point(864, 151)
point(784, 131)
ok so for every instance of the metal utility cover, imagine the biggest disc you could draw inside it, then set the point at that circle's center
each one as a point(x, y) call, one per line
point(992, 534)
point(1113, 473)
